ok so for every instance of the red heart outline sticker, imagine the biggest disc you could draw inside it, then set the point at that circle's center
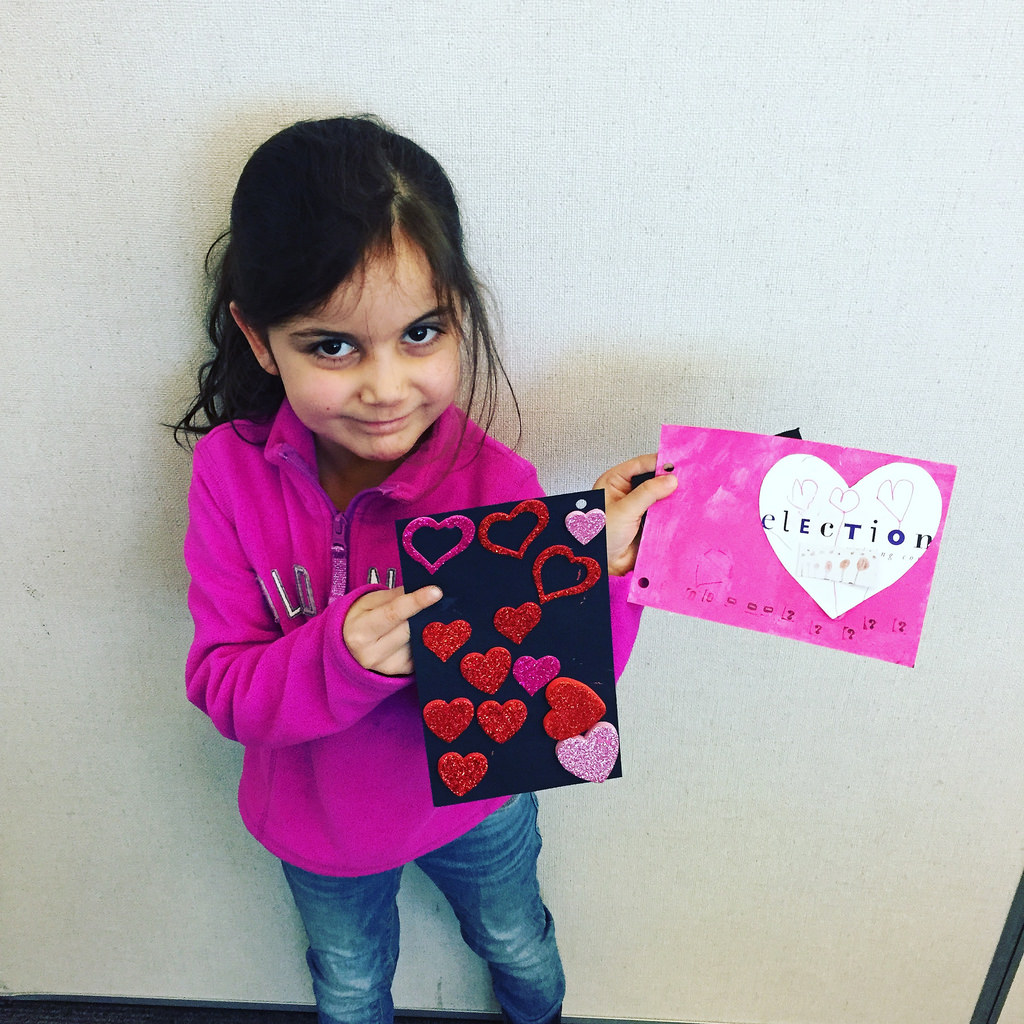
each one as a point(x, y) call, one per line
point(534, 505)
point(563, 551)
point(461, 774)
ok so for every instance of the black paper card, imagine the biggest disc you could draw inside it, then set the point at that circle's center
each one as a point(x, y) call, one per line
point(514, 664)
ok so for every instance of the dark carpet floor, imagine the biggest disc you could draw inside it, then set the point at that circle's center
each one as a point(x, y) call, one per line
point(54, 1011)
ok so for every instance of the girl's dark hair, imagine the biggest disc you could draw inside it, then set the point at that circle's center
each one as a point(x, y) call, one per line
point(312, 203)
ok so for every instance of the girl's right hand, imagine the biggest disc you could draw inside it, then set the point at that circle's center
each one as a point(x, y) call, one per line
point(376, 628)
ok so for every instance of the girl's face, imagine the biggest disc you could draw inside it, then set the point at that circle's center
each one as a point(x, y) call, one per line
point(371, 370)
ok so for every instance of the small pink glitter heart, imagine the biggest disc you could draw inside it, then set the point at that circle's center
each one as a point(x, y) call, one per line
point(585, 526)
point(533, 673)
point(591, 756)
point(461, 523)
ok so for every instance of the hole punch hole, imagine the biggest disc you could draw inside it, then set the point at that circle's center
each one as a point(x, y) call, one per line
point(581, 504)
point(643, 582)
point(669, 467)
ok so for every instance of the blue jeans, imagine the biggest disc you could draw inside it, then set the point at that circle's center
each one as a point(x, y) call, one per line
point(489, 876)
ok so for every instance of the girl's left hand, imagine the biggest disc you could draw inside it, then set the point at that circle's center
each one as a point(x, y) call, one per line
point(624, 507)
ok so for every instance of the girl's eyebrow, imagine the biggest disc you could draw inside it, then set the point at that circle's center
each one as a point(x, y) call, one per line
point(320, 332)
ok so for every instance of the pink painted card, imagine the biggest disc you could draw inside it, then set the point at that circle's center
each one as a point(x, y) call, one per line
point(830, 545)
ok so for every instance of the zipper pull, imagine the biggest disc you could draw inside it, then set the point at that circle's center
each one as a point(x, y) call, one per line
point(339, 558)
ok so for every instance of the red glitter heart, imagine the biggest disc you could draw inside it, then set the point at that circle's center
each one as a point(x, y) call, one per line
point(448, 721)
point(575, 707)
point(534, 505)
point(501, 721)
point(561, 550)
point(486, 671)
point(460, 774)
point(515, 623)
point(445, 638)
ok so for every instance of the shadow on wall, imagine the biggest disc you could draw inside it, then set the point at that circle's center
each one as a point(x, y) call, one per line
point(600, 403)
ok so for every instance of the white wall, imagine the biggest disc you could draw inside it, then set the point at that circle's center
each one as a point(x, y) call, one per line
point(750, 215)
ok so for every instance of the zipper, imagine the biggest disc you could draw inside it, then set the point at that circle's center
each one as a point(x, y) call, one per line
point(339, 557)
point(339, 522)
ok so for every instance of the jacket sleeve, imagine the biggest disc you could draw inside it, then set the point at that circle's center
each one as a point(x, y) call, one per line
point(625, 621)
point(257, 685)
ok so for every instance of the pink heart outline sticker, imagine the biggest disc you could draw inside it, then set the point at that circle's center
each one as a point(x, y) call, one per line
point(591, 756)
point(461, 523)
point(534, 673)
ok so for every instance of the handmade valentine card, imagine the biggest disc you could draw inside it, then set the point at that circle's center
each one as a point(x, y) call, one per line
point(834, 546)
point(514, 665)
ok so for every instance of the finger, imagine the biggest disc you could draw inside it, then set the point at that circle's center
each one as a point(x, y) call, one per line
point(619, 477)
point(392, 655)
point(405, 606)
point(377, 633)
point(389, 609)
point(634, 504)
point(395, 663)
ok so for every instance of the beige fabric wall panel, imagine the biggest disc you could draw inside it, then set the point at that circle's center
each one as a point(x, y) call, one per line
point(743, 215)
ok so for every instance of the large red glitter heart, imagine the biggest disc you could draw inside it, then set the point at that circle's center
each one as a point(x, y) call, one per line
point(534, 505)
point(445, 638)
point(460, 774)
point(486, 671)
point(575, 707)
point(501, 721)
point(448, 721)
point(515, 623)
point(561, 550)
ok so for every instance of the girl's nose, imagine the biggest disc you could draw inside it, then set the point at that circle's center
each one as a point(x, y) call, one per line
point(383, 381)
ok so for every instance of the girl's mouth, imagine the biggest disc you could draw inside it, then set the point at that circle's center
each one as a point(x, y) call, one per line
point(383, 426)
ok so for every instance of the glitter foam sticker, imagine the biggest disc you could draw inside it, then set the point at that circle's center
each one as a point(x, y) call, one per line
point(591, 756)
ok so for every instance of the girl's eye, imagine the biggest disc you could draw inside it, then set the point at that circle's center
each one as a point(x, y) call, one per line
point(334, 348)
point(422, 334)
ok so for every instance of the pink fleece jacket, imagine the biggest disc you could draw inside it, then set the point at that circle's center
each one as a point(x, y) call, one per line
point(334, 778)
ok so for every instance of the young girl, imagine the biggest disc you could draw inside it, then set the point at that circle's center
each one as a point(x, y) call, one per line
point(347, 326)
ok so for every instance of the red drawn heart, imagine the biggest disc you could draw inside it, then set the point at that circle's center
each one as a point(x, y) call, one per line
point(561, 550)
point(501, 721)
point(575, 707)
point(460, 774)
point(486, 671)
point(515, 623)
point(448, 721)
point(445, 638)
point(534, 505)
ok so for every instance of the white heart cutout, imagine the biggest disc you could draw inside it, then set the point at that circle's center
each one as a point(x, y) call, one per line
point(841, 551)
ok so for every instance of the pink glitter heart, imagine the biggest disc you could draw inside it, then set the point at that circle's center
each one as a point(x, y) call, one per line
point(585, 526)
point(591, 756)
point(461, 523)
point(533, 673)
